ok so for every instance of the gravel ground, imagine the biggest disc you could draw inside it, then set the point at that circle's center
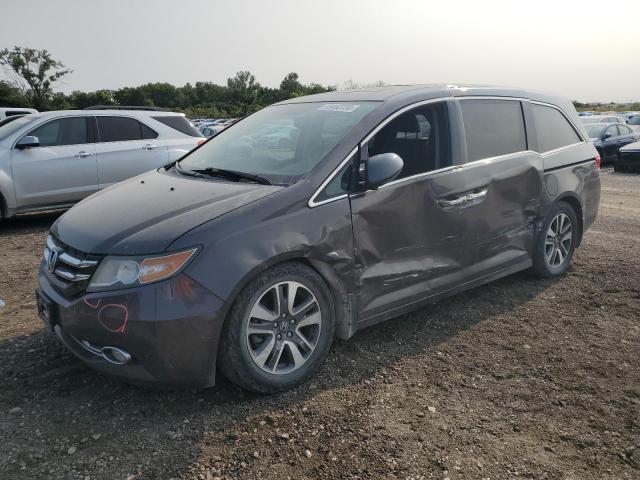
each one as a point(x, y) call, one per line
point(521, 378)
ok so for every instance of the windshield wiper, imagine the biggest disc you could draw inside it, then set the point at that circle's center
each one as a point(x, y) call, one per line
point(221, 172)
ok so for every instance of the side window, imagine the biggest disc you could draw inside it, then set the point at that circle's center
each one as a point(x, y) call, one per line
point(613, 130)
point(339, 185)
point(119, 129)
point(493, 128)
point(420, 137)
point(624, 130)
point(147, 132)
point(64, 131)
point(552, 128)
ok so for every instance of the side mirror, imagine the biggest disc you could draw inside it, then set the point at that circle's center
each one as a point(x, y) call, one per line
point(606, 136)
point(383, 168)
point(28, 142)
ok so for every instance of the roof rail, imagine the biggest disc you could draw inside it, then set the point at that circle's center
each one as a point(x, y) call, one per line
point(125, 107)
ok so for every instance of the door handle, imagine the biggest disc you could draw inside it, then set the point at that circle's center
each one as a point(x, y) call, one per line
point(149, 146)
point(83, 154)
point(469, 197)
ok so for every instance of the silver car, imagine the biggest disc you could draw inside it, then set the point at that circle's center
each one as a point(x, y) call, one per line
point(55, 159)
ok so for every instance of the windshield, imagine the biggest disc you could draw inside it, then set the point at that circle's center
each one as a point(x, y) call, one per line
point(8, 128)
point(595, 130)
point(281, 143)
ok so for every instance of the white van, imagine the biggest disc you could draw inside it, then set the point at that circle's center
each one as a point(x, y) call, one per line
point(10, 112)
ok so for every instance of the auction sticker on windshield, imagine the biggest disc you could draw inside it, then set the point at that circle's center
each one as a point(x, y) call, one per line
point(338, 107)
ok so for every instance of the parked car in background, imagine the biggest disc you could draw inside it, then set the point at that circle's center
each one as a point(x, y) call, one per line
point(212, 130)
point(628, 159)
point(386, 200)
point(6, 112)
point(54, 159)
point(10, 119)
point(634, 122)
point(585, 114)
point(609, 137)
point(603, 119)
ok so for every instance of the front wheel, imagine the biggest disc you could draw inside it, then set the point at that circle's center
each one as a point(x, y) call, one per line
point(279, 330)
point(556, 242)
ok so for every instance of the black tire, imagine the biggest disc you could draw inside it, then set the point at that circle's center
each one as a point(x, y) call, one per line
point(234, 357)
point(541, 264)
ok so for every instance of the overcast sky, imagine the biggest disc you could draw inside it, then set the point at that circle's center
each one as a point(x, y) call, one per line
point(582, 49)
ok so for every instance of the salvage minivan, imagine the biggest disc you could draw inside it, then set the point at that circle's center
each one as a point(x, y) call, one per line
point(249, 256)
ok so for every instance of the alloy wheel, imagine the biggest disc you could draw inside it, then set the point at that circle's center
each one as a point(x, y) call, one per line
point(558, 240)
point(283, 328)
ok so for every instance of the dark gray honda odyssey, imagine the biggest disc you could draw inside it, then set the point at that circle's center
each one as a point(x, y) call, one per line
point(314, 218)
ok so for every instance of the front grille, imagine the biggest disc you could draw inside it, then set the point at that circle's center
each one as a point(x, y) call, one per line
point(68, 269)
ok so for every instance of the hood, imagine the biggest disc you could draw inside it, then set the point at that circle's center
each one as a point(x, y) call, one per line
point(145, 214)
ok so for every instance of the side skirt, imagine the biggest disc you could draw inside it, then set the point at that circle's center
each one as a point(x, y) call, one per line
point(396, 312)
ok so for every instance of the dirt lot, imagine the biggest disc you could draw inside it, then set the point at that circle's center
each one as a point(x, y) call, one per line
point(522, 378)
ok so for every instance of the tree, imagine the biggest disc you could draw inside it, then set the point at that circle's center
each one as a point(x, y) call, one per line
point(33, 72)
point(290, 86)
point(10, 96)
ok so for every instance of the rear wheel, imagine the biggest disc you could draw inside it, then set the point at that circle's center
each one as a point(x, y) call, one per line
point(556, 242)
point(279, 330)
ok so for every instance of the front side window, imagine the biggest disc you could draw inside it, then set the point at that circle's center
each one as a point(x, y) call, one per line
point(612, 130)
point(624, 130)
point(120, 129)
point(554, 130)
point(64, 131)
point(635, 120)
point(281, 143)
point(420, 137)
point(493, 128)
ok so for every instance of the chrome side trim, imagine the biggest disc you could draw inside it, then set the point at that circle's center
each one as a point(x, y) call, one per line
point(482, 161)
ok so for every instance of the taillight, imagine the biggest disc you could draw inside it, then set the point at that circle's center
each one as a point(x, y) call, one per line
point(598, 161)
point(202, 140)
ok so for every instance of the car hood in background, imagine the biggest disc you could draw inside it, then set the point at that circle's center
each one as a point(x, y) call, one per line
point(146, 213)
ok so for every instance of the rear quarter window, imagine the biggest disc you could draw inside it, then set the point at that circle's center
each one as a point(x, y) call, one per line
point(493, 128)
point(552, 128)
point(179, 123)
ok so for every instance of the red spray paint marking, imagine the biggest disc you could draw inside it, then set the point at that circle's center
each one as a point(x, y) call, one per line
point(124, 309)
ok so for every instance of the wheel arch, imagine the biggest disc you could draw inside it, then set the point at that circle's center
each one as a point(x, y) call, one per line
point(574, 202)
point(343, 302)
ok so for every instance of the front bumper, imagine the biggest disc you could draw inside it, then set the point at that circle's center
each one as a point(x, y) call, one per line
point(170, 329)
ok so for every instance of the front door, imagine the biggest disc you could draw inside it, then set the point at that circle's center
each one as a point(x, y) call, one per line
point(62, 170)
point(410, 234)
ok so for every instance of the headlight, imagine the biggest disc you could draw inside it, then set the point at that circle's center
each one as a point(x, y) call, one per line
point(118, 272)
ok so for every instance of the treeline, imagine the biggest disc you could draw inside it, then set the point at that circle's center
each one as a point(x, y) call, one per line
point(241, 95)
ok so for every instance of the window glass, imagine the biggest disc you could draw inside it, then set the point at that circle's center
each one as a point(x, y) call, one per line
point(553, 129)
point(118, 129)
point(10, 113)
point(493, 128)
point(64, 131)
point(179, 123)
point(624, 130)
point(148, 133)
point(420, 137)
point(613, 130)
point(281, 143)
point(339, 185)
